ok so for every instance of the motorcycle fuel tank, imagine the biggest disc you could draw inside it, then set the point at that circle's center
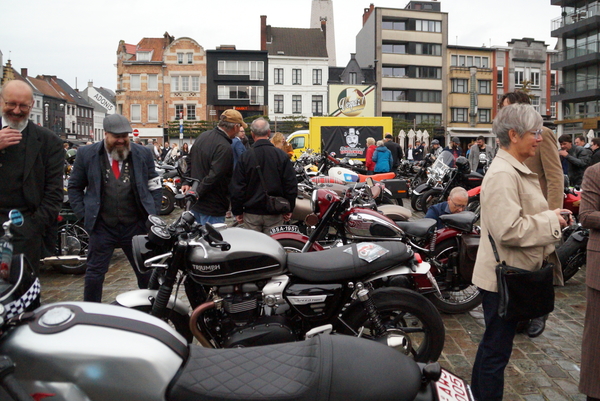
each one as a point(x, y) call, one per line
point(92, 351)
point(369, 223)
point(253, 256)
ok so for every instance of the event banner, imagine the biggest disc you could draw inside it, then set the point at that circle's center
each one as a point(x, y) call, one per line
point(346, 141)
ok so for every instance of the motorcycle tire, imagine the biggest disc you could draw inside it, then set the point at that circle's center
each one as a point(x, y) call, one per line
point(475, 207)
point(573, 256)
point(430, 198)
point(460, 300)
point(416, 202)
point(181, 323)
point(77, 241)
point(403, 309)
point(168, 202)
point(291, 245)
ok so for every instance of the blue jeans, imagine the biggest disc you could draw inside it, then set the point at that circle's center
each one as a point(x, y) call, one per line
point(103, 241)
point(205, 218)
point(487, 382)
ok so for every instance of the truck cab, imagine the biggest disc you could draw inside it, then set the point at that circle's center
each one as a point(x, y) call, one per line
point(299, 141)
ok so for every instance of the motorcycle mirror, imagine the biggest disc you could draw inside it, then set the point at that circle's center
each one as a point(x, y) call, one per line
point(212, 232)
point(16, 218)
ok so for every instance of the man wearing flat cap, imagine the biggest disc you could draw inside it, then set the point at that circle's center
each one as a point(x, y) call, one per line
point(113, 187)
point(452, 152)
point(211, 161)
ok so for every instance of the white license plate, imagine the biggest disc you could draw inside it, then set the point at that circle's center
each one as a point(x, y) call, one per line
point(284, 229)
point(452, 388)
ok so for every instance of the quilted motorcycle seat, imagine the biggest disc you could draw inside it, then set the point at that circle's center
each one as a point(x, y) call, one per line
point(322, 368)
point(338, 264)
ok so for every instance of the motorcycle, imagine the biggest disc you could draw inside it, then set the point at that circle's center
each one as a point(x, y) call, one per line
point(442, 181)
point(172, 182)
point(245, 290)
point(450, 251)
point(84, 351)
point(416, 173)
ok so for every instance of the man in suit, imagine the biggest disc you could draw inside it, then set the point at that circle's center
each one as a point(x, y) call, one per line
point(31, 166)
point(114, 187)
point(589, 216)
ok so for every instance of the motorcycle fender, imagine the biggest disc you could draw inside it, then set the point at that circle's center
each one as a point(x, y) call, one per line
point(131, 299)
point(421, 189)
point(170, 186)
point(421, 269)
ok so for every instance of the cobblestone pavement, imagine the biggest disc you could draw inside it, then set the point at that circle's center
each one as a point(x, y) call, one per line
point(543, 368)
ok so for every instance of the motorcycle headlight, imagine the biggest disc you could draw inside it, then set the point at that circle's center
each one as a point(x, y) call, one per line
point(142, 250)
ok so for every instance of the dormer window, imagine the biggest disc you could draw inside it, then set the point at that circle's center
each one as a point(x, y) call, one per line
point(144, 56)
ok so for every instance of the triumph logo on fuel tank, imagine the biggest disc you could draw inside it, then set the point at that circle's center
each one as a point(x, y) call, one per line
point(206, 268)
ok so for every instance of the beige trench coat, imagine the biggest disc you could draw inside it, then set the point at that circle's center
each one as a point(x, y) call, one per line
point(516, 213)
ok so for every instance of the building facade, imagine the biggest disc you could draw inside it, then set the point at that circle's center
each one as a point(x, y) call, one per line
point(407, 50)
point(236, 79)
point(470, 93)
point(161, 81)
point(351, 90)
point(321, 11)
point(298, 70)
point(103, 102)
point(578, 59)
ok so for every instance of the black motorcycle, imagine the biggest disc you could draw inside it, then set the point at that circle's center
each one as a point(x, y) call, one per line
point(245, 290)
point(441, 181)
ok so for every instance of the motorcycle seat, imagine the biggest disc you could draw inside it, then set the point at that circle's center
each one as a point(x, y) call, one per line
point(462, 221)
point(339, 264)
point(419, 228)
point(325, 367)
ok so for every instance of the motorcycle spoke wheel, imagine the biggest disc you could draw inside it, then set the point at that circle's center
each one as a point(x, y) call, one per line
point(77, 243)
point(402, 310)
point(460, 298)
point(168, 202)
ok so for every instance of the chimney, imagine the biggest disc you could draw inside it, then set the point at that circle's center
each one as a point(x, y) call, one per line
point(263, 32)
point(367, 13)
point(24, 72)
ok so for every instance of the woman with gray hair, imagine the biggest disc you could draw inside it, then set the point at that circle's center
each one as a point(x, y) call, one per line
point(515, 213)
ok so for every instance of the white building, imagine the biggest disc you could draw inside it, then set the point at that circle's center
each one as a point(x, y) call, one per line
point(298, 70)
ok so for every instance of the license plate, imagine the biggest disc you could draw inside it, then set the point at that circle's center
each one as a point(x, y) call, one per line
point(452, 388)
point(284, 229)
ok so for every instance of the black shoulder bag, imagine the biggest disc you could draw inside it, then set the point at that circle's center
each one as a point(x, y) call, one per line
point(523, 294)
point(275, 204)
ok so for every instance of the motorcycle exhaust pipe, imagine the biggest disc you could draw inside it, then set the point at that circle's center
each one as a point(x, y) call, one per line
point(63, 260)
point(194, 320)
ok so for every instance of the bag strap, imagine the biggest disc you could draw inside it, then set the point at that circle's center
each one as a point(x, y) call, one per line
point(494, 248)
point(262, 180)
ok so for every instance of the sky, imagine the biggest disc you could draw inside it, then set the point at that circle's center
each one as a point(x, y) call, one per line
point(77, 40)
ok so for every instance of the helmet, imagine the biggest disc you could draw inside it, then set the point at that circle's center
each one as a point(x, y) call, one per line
point(462, 164)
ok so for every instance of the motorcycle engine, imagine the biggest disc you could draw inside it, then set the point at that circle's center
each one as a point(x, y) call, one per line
point(244, 325)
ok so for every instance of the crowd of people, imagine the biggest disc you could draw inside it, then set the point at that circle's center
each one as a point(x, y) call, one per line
point(114, 186)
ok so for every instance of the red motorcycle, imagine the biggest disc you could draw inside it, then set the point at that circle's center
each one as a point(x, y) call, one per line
point(341, 219)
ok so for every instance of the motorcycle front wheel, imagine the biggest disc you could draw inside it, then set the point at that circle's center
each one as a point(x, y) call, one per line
point(456, 297)
point(168, 202)
point(430, 198)
point(404, 311)
point(416, 202)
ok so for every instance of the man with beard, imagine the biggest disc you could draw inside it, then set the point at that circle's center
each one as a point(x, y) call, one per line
point(113, 187)
point(31, 166)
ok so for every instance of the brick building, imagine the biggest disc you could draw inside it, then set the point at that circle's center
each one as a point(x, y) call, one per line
point(161, 80)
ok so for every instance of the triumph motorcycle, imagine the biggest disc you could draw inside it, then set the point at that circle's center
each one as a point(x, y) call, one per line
point(340, 220)
point(90, 351)
point(244, 289)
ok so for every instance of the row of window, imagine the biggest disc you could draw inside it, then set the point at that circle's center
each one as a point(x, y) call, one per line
point(401, 95)
point(136, 112)
point(461, 85)
point(278, 79)
point(429, 49)
point(420, 25)
point(317, 104)
point(461, 115)
point(255, 94)
point(178, 83)
point(469, 61)
point(254, 69)
point(527, 74)
point(189, 58)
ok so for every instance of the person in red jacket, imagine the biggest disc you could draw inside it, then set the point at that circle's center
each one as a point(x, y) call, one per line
point(369, 157)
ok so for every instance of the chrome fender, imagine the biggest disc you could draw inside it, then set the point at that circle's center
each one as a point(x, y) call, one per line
point(132, 299)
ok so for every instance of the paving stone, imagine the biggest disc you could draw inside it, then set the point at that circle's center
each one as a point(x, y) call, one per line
point(553, 395)
point(567, 386)
point(554, 371)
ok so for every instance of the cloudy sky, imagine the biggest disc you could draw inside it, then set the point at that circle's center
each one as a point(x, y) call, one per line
point(77, 40)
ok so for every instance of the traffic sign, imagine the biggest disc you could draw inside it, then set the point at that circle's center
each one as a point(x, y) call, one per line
point(136, 133)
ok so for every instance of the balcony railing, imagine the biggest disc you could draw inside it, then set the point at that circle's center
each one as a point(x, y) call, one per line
point(576, 16)
point(583, 50)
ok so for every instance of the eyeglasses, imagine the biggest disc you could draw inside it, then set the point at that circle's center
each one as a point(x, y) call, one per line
point(13, 105)
point(463, 207)
point(536, 133)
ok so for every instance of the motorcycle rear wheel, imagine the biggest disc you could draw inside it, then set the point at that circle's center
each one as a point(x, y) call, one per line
point(405, 310)
point(461, 300)
point(77, 243)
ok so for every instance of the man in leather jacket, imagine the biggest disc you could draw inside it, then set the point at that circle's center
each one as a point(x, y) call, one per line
point(577, 158)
